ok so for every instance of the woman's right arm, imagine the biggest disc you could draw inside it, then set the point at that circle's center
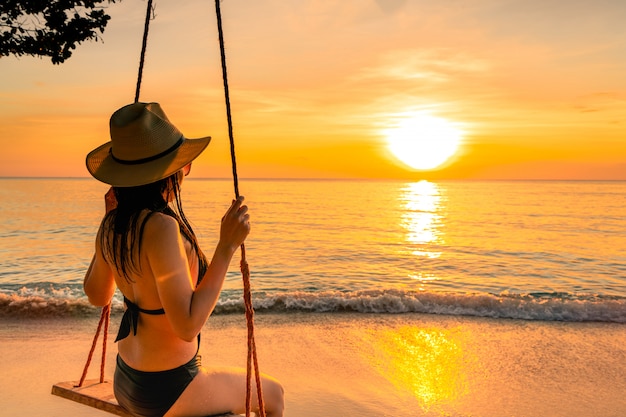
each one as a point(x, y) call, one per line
point(99, 283)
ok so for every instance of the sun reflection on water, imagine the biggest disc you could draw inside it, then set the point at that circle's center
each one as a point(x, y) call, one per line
point(430, 364)
point(421, 217)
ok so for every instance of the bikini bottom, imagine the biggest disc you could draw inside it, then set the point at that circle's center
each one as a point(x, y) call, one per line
point(151, 394)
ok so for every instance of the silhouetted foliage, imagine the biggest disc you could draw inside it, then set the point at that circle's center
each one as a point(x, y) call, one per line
point(49, 28)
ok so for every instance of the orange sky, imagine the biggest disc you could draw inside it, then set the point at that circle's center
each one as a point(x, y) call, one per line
point(538, 87)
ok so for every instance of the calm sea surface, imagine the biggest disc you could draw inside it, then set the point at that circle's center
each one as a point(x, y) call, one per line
point(530, 250)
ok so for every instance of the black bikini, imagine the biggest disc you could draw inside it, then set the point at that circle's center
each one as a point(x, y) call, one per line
point(149, 394)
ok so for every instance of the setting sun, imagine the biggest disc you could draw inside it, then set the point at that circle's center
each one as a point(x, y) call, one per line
point(423, 141)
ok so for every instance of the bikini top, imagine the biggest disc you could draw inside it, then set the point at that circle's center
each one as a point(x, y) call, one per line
point(131, 317)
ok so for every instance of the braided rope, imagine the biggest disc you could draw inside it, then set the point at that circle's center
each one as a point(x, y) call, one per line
point(105, 336)
point(252, 356)
point(104, 319)
point(245, 270)
point(144, 44)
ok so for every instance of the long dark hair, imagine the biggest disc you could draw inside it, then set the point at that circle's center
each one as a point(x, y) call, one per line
point(128, 233)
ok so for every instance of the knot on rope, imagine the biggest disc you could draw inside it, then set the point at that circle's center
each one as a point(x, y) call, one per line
point(244, 268)
point(245, 273)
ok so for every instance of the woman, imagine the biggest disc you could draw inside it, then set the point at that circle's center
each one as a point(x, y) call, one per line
point(146, 248)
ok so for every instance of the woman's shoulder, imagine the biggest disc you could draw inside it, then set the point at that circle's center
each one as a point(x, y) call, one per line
point(160, 224)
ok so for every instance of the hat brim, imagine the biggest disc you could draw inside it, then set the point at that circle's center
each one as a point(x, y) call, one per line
point(103, 167)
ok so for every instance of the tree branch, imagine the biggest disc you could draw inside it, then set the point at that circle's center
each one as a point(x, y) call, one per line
point(50, 28)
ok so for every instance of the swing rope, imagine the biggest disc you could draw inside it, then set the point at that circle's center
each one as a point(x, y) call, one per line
point(105, 315)
point(144, 44)
point(245, 270)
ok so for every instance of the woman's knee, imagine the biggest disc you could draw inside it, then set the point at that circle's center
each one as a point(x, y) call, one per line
point(273, 395)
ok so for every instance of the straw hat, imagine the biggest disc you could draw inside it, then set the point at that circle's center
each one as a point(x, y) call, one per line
point(145, 147)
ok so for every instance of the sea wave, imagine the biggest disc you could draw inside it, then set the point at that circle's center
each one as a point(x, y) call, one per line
point(544, 307)
point(47, 301)
point(69, 301)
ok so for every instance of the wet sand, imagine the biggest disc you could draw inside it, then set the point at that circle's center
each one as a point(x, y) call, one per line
point(359, 365)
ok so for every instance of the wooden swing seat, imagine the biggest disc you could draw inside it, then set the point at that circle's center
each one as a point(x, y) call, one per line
point(95, 394)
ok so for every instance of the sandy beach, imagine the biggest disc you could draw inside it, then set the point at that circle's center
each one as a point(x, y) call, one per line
point(361, 365)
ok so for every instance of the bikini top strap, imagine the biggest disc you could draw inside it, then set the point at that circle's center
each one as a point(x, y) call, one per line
point(131, 318)
point(132, 306)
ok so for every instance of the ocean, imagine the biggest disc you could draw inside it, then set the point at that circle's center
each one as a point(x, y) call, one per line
point(473, 287)
point(528, 250)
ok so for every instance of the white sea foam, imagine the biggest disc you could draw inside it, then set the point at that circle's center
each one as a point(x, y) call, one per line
point(36, 302)
point(558, 307)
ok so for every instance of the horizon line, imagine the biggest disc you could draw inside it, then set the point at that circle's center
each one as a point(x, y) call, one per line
point(339, 179)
